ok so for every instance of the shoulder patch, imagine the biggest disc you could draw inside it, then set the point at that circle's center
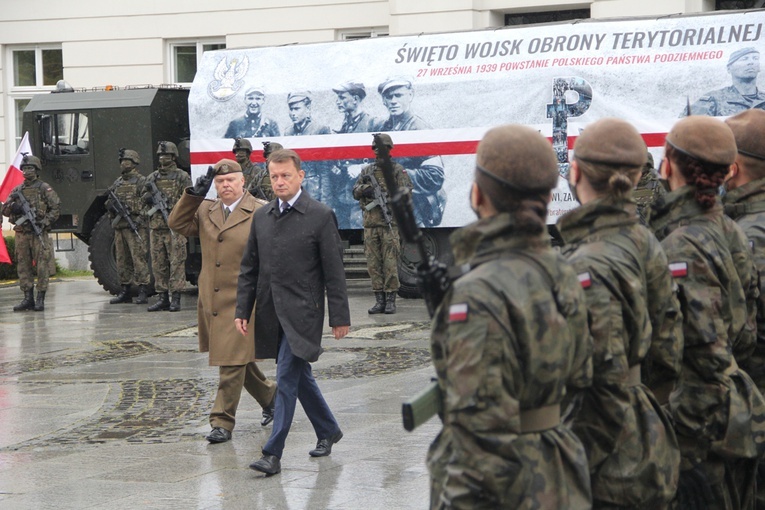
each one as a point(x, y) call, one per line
point(678, 269)
point(458, 312)
point(585, 279)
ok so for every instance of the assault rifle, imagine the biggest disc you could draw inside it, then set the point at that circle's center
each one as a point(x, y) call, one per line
point(28, 214)
point(432, 280)
point(159, 201)
point(381, 199)
point(122, 212)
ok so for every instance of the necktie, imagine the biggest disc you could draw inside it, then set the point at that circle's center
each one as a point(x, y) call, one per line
point(285, 207)
point(226, 212)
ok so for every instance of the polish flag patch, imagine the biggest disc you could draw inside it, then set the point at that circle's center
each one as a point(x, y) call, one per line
point(678, 269)
point(585, 280)
point(458, 312)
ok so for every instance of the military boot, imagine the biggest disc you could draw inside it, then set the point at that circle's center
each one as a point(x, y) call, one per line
point(175, 302)
point(162, 304)
point(390, 302)
point(122, 297)
point(28, 303)
point(40, 303)
point(379, 306)
point(143, 295)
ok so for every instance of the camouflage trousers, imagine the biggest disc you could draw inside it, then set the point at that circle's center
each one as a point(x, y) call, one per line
point(168, 260)
point(382, 248)
point(130, 252)
point(31, 253)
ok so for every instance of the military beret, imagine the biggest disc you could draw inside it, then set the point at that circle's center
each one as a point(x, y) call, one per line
point(226, 166)
point(704, 138)
point(612, 142)
point(295, 97)
point(353, 88)
point(749, 131)
point(255, 89)
point(396, 81)
point(740, 53)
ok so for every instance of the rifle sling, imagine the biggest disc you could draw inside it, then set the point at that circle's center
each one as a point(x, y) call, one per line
point(540, 419)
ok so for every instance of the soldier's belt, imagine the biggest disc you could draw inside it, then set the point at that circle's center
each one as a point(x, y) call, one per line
point(633, 376)
point(540, 419)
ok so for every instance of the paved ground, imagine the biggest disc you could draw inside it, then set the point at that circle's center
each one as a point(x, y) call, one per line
point(105, 407)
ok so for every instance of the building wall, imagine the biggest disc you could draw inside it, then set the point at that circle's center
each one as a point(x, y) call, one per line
point(124, 43)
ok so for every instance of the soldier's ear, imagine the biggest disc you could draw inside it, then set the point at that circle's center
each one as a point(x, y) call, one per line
point(574, 173)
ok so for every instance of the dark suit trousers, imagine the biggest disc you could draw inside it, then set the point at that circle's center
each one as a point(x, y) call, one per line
point(295, 382)
point(230, 383)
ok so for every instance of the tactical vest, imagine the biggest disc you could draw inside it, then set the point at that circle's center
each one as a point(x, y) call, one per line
point(127, 192)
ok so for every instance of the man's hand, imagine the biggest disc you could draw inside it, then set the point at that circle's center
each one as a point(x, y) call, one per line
point(241, 326)
point(368, 192)
point(339, 331)
point(202, 186)
point(16, 208)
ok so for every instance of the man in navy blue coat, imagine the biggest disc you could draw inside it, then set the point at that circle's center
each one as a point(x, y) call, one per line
point(293, 256)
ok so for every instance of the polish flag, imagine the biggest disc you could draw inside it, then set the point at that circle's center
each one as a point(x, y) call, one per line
point(13, 177)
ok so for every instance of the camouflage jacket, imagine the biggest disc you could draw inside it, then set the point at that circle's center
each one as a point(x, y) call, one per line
point(509, 339)
point(633, 316)
point(249, 170)
point(260, 185)
point(129, 188)
point(41, 198)
point(647, 191)
point(746, 205)
point(726, 101)
point(172, 183)
point(372, 211)
point(715, 405)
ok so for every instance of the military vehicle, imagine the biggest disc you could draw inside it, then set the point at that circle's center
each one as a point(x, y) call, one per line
point(78, 134)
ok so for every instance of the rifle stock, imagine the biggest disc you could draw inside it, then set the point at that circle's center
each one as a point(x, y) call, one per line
point(432, 279)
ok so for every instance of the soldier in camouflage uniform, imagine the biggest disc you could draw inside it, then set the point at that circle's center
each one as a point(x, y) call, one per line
point(168, 250)
point(743, 66)
point(30, 249)
point(382, 245)
point(745, 203)
point(129, 247)
point(242, 150)
point(718, 412)
point(634, 315)
point(648, 189)
point(509, 340)
point(260, 187)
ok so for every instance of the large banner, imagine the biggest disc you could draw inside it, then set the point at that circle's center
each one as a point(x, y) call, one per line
point(436, 95)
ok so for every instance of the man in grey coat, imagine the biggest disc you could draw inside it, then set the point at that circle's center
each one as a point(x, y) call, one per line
point(293, 256)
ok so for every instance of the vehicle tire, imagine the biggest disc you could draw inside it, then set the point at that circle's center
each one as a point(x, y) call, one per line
point(103, 261)
point(436, 244)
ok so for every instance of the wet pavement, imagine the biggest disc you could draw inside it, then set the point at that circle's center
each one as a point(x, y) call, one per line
point(106, 407)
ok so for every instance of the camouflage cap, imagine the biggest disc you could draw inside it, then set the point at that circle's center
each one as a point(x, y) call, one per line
point(749, 131)
point(226, 166)
point(393, 82)
point(740, 53)
point(386, 139)
point(296, 97)
point(612, 142)
point(704, 138)
point(351, 87)
point(241, 143)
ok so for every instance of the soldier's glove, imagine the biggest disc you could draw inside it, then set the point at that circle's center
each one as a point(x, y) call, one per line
point(16, 208)
point(368, 192)
point(202, 186)
point(693, 490)
point(147, 198)
point(112, 208)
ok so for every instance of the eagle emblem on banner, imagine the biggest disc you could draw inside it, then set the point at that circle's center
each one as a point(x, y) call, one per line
point(228, 78)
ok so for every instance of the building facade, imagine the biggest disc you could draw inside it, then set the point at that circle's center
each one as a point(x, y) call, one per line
point(91, 43)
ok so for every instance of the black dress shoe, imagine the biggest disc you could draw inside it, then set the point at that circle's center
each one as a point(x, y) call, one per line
point(268, 413)
point(268, 464)
point(324, 446)
point(219, 435)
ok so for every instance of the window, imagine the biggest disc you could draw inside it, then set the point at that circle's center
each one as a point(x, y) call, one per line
point(724, 5)
point(528, 18)
point(64, 134)
point(34, 69)
point(350, 35)
point(185, 56)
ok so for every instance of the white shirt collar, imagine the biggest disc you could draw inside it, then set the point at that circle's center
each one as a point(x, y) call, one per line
point(232, 206)
point(292, 200)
